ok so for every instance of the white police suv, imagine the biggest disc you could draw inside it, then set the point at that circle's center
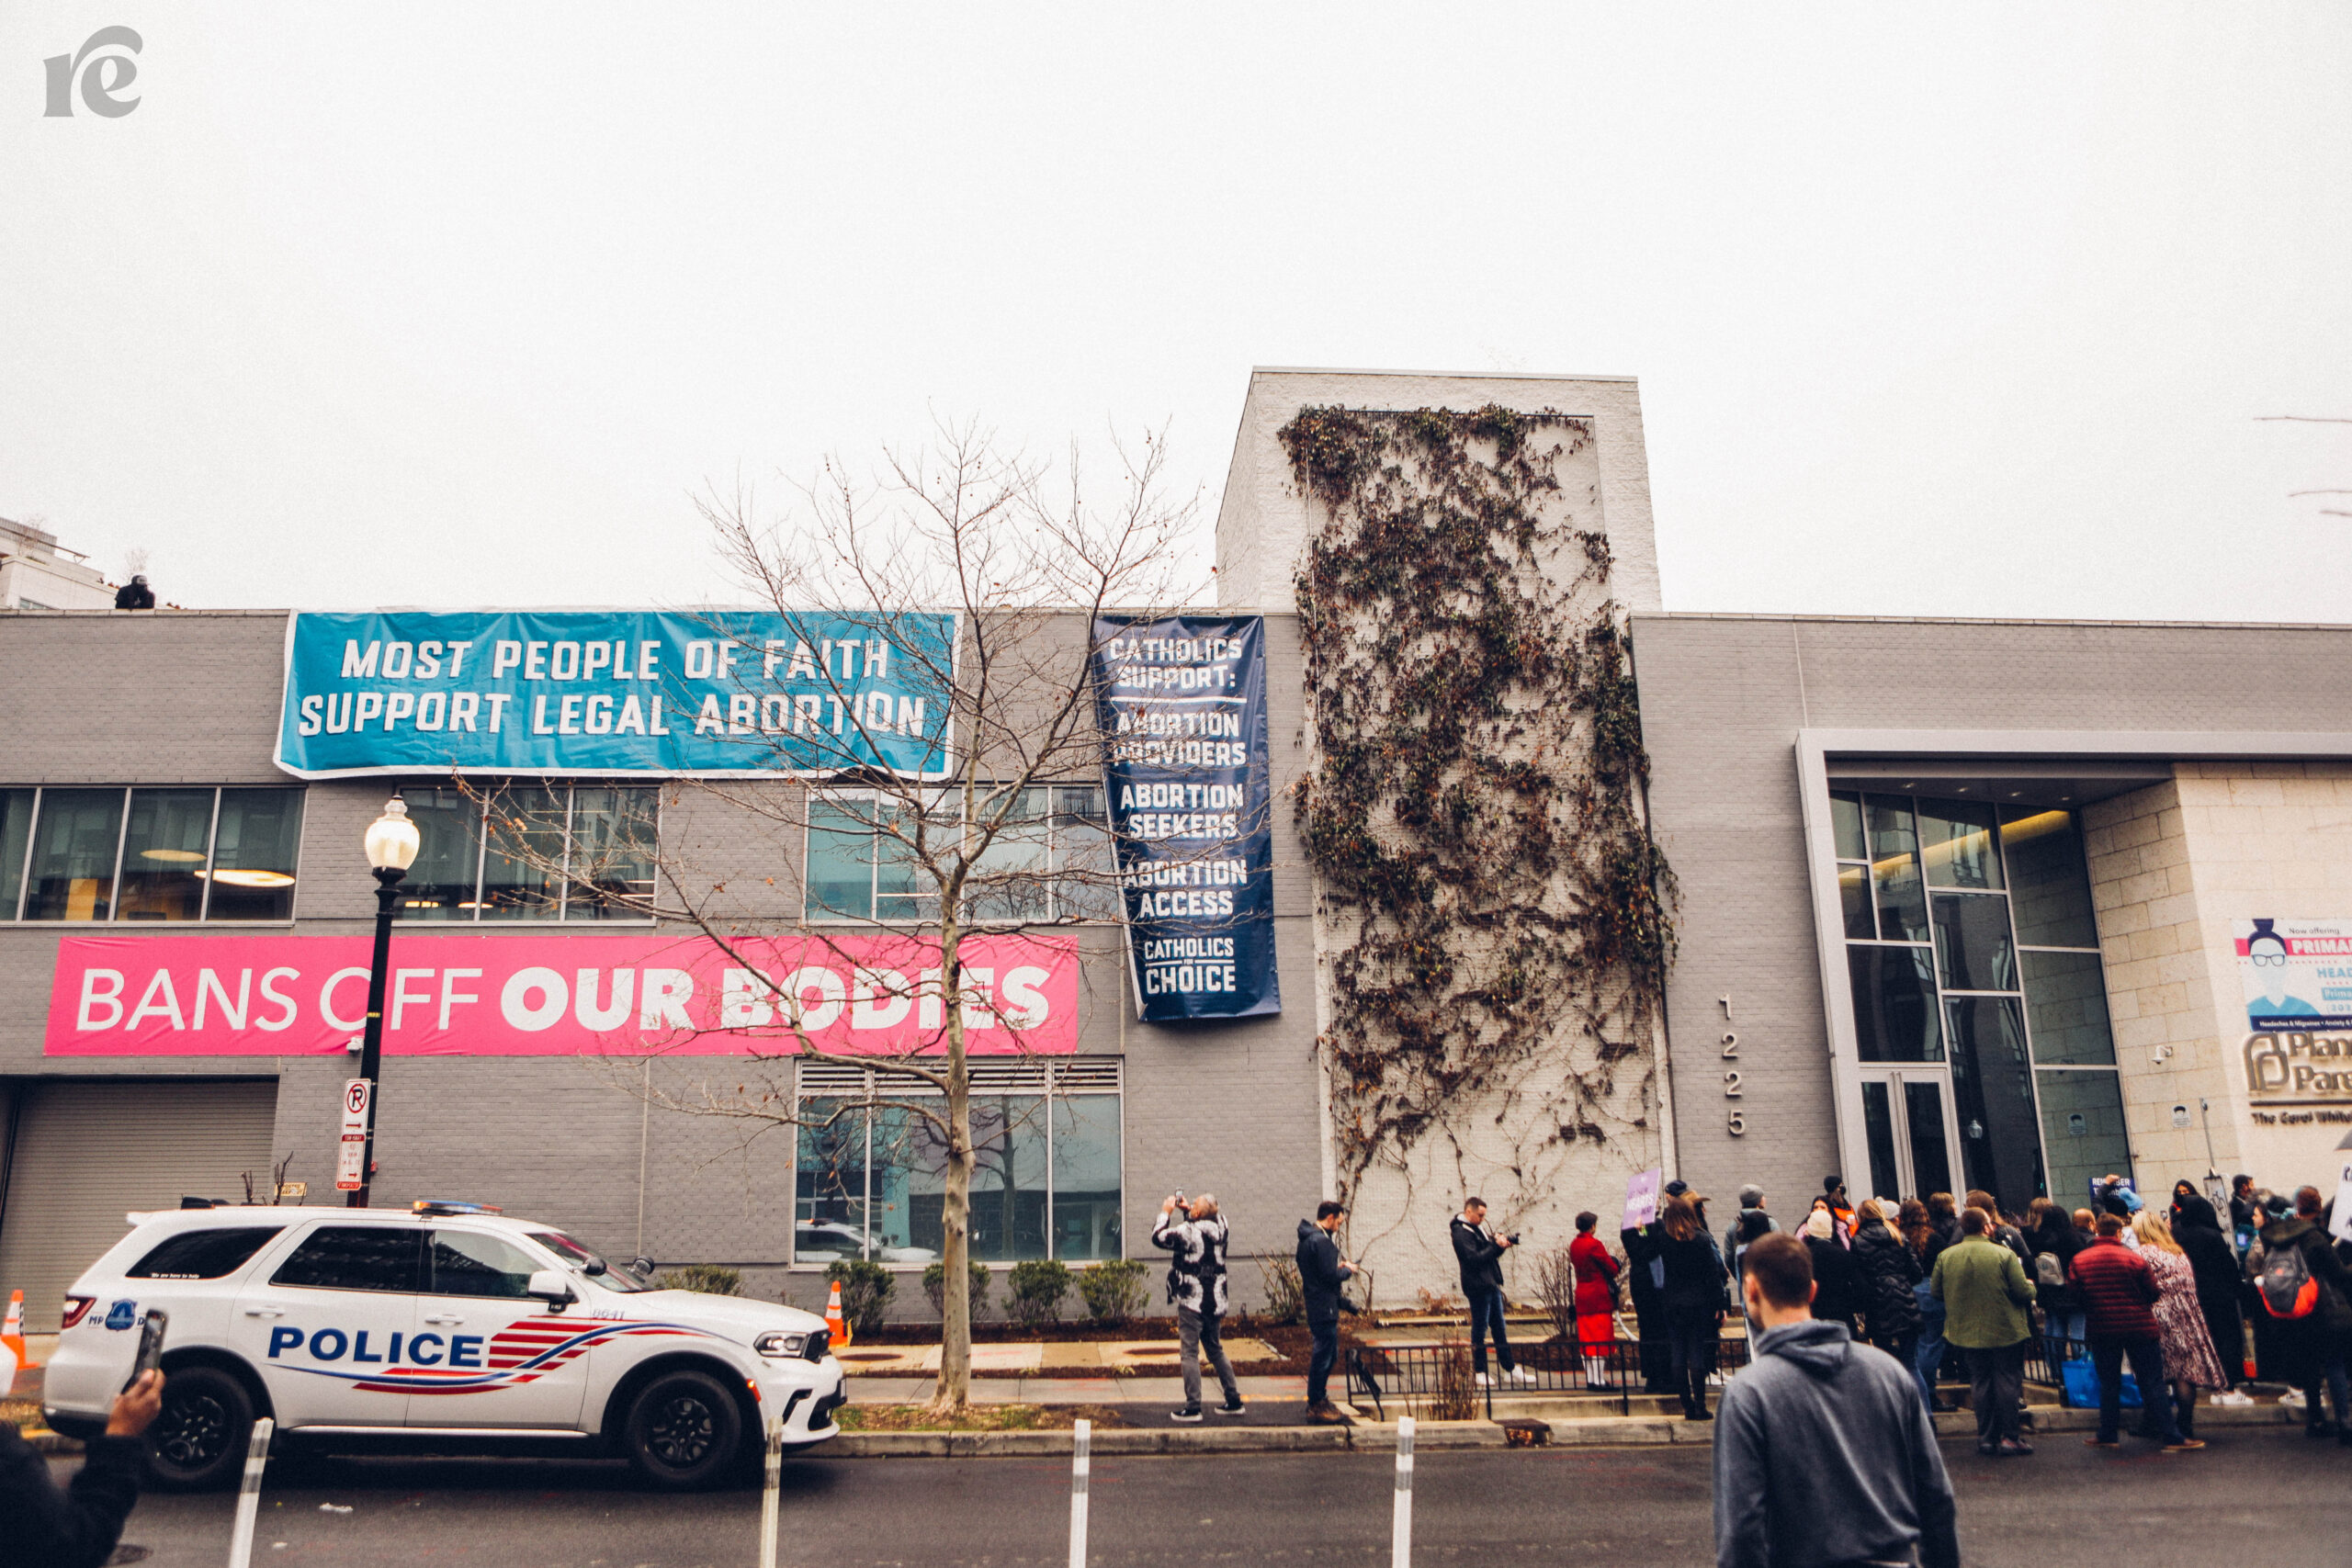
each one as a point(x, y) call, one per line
point(450, 1326)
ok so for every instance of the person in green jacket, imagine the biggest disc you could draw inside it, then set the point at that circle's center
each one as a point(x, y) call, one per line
point(1986, 1293)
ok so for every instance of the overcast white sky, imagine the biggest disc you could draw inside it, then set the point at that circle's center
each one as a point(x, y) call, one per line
point(1969, 311)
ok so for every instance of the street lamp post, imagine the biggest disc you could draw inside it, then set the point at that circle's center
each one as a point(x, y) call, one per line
point(392, 845)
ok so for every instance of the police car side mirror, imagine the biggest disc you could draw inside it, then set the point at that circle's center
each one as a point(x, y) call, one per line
point(549, 1285)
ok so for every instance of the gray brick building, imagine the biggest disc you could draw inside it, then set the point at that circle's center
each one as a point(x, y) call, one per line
point(1963, 903)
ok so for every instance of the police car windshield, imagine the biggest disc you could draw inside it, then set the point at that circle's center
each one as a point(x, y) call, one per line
point(612, 1276)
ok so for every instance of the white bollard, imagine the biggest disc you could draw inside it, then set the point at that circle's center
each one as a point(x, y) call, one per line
point(1080, 1466)
point(771, 1508)
point(241, 1540)
point(1400, 1549)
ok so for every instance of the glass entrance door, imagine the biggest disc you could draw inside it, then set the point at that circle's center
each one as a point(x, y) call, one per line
point(1906, 1116)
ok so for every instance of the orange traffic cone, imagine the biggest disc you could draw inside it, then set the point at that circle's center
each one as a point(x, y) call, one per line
point(12, 1333)
point(833, 1318)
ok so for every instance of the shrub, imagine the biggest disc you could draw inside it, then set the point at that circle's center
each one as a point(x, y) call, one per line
point(1037, 1287)
point(1556, 1290)
point(1113, 1290)
point(1285, 1295)
point(1456, 1396)
point(865, 1291)
point(707, 1277)
point(935, 1285)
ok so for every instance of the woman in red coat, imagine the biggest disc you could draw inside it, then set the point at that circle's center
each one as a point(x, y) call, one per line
point(1595, 1299)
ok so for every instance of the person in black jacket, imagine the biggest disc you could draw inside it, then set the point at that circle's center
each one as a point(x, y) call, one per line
point(1642, 1274)
point(1694, 1300)
point(1480, 1253)
point(2215, 1261)
point(77, 1527)
point(1889, 1307)
point(1321, 1271)
point(1837, 1288)
point(2054, 1235)
point(2314, 1347)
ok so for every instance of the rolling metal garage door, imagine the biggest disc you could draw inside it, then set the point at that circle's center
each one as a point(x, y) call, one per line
point(87, 1154)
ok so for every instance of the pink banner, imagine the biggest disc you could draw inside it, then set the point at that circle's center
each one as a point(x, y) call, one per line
point(543, 994)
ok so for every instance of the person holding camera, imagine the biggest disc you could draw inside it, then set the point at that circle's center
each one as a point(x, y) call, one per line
point(77, 1527)
point(1480, 1253)
point(1196, 1286)
point(1321, 1271)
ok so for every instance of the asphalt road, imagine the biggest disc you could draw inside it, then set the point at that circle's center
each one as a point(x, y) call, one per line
point(2253, 1498)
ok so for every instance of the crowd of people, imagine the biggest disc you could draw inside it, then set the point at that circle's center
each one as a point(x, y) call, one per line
point(1959, 1287)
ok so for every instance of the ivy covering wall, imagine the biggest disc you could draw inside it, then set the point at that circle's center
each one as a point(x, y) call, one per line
point(1493, 923)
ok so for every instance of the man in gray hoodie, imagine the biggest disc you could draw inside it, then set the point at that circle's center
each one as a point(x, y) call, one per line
point(1824, 1455)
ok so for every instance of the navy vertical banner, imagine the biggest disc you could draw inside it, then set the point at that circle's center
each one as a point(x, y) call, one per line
point(1182, 706)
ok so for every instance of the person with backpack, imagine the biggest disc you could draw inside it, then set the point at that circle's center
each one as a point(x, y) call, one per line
point(1196, 1287)
point(2119, 1294)
point(2306, 1293)
point(1753, 1222)
point(1837, 1285)
point(2055, 1241)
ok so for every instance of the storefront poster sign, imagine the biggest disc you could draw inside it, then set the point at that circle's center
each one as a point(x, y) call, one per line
point(1182, 702)
point(2297, 973)
point(541, 994)
point(609, 692)
point(1641, 1197)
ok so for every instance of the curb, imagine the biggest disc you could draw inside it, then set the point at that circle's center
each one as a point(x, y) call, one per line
point(1364, 1437)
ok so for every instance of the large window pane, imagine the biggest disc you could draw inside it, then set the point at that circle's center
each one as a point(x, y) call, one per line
point(442, 884)
point(1923, 1107)
point(2047, 880)
point(522, 863)
point(16, 835)
point(829, 1181)
point(909, 1202)
point(1009, 1179)
point(73, 855)
point(1846, 824)
point(1010, 880)
point(2082, 1126)
point(1895, 869)
point(1086, 1177)
point(467, 1263)
point(611, 853)
point(903, 889)
point(1992, 1093)
point(1087, 886)
point(253, 854)
point(1894, 1004)
point(1878, 1131)
point(2065, 1001)
point(1973, 942)
point(163, 853)
point(840, 861)
point(1854, 895)
point(1956, 843)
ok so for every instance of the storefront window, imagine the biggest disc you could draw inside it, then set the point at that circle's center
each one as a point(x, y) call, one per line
point(871, 1174)
point(164, 854)
point(532, 853)
point(1894, 1004)
point(254, 851)
point(148, 855)
point(76, 835)
point(1049, 861)
point(16, 832)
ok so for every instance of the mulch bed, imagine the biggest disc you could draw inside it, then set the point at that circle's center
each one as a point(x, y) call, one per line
point(976, 1418)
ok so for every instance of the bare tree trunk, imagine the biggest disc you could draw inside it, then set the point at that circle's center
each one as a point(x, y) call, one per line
point(955, 1388)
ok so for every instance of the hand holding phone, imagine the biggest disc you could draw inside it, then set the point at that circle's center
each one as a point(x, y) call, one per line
point(151, 1344)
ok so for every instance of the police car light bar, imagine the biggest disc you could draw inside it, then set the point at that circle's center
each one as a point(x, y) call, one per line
point(452, 1206)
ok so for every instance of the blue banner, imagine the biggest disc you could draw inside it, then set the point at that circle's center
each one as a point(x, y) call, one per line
point(615, 692)
point(1183, 706)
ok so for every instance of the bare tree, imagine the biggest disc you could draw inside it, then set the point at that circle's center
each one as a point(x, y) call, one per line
point(1018, 564)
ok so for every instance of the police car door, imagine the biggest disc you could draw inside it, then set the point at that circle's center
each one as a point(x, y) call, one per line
point(329, 1326)
point(511, 1362)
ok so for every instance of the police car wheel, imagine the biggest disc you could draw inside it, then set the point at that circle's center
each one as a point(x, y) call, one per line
point(197, 1442)
point(684, 1430)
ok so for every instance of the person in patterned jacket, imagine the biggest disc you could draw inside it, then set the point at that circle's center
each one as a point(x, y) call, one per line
point(1196, 1286)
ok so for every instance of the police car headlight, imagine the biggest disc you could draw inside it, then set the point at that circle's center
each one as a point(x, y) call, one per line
point(779, 1346)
